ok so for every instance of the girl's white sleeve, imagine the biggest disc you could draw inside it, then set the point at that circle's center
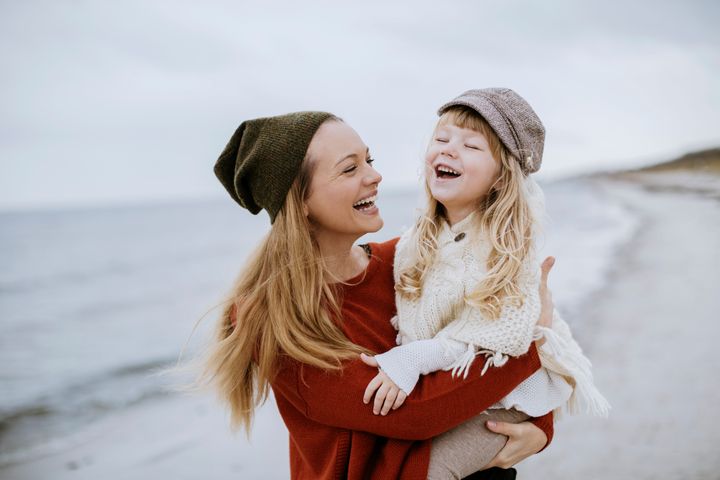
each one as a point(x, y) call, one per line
point(405, 363)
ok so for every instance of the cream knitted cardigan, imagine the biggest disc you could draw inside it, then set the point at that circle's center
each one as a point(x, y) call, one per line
point(459, 267)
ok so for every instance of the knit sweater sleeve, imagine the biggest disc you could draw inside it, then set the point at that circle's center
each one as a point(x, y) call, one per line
point(439, 403)
point(546, 424)
point(405, 363)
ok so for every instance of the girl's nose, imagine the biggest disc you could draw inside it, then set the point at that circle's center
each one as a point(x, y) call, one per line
point(448, 150)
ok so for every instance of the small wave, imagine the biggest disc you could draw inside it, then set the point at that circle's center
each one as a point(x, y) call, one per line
point(57, 414)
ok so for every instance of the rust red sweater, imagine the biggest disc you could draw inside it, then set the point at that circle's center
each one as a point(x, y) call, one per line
point(333, 435)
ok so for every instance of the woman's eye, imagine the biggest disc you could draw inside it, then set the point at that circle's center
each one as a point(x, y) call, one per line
point(350, 169)
point(370, 160)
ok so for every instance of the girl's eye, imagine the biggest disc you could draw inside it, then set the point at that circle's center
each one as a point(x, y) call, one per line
point(473, 147)
point(441, 140)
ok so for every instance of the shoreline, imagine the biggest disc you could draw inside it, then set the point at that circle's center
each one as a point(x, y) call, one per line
point(649, 334)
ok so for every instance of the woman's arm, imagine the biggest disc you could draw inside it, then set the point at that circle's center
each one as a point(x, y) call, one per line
point(438, 404)
point(547, 425)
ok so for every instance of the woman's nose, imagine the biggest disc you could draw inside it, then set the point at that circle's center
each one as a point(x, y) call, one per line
point(373, 177)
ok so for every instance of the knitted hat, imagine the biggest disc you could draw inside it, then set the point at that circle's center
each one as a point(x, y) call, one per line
point(263, 157)
point(513, 120)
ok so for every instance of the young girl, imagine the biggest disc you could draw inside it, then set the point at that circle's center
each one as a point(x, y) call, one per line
point(466, 279)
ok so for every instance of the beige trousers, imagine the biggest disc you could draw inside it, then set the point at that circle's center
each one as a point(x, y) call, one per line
point(470, 446)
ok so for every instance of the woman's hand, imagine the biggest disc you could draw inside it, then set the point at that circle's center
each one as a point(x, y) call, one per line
point(524, 439)
point(547, 307)
point(387, 395)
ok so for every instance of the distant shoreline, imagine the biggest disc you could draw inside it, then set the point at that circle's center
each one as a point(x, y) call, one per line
point(703, 161)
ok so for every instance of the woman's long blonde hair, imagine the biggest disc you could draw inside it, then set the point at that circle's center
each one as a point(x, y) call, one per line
point(281, 306)
point(505, 219)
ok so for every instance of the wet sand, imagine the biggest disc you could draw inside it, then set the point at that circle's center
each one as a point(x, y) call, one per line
point(653, 339)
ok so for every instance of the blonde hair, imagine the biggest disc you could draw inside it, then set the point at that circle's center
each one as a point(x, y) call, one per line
point(283, 307)
point(504, 216)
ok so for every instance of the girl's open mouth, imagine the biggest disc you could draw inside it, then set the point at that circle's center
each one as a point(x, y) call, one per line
point(442, 171)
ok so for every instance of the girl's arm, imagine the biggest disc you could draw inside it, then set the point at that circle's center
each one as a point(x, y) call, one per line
point(405, 363)
point(439, 403)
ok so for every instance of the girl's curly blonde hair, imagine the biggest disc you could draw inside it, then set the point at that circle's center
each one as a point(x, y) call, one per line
point(505, 218)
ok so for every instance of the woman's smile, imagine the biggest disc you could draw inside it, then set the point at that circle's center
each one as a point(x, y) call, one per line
point(366, 205)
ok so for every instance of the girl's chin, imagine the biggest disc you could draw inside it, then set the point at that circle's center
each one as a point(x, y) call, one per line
point(443, 195)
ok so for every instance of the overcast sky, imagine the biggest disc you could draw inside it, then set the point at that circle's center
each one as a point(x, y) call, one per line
point(110, 102)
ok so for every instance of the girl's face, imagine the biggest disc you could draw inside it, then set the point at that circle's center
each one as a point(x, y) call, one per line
point(344, 184)
point(459, 168)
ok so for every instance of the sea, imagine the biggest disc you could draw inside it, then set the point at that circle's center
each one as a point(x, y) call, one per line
point(94, 301)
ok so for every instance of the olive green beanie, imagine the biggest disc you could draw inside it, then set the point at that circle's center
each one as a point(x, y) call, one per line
point(263, 157)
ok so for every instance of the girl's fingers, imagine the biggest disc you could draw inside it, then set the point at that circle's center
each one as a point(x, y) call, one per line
point(380, 397)
point(389, 400)
point(372, 386)
point(399, 400)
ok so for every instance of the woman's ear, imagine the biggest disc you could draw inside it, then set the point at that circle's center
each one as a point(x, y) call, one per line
point(306, 211)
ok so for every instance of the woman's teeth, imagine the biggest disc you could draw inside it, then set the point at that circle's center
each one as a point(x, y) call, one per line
point(365, 203)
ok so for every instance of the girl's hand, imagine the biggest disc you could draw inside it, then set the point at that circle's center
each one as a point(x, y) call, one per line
point(524, 439)
point(546, 302)
point(387, 395)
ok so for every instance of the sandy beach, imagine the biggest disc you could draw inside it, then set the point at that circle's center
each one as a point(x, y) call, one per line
point(653, 343)
point(651, 333)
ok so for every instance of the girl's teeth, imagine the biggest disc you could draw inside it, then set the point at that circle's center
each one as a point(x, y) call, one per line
point(448, 170)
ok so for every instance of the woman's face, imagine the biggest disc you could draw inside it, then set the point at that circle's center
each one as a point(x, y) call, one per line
point(344, 184)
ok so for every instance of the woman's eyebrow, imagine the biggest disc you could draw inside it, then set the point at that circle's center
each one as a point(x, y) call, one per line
point(352, 155)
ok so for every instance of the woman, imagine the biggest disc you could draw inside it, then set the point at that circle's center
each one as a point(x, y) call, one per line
point(309, 302)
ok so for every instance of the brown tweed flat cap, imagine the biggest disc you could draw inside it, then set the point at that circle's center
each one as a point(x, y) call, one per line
point(263, 157)
point(513, 119)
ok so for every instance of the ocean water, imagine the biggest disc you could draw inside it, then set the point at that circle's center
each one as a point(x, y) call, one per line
point(93, 301)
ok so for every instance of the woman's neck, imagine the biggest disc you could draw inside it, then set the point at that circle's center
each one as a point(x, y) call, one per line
point(342, 259)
